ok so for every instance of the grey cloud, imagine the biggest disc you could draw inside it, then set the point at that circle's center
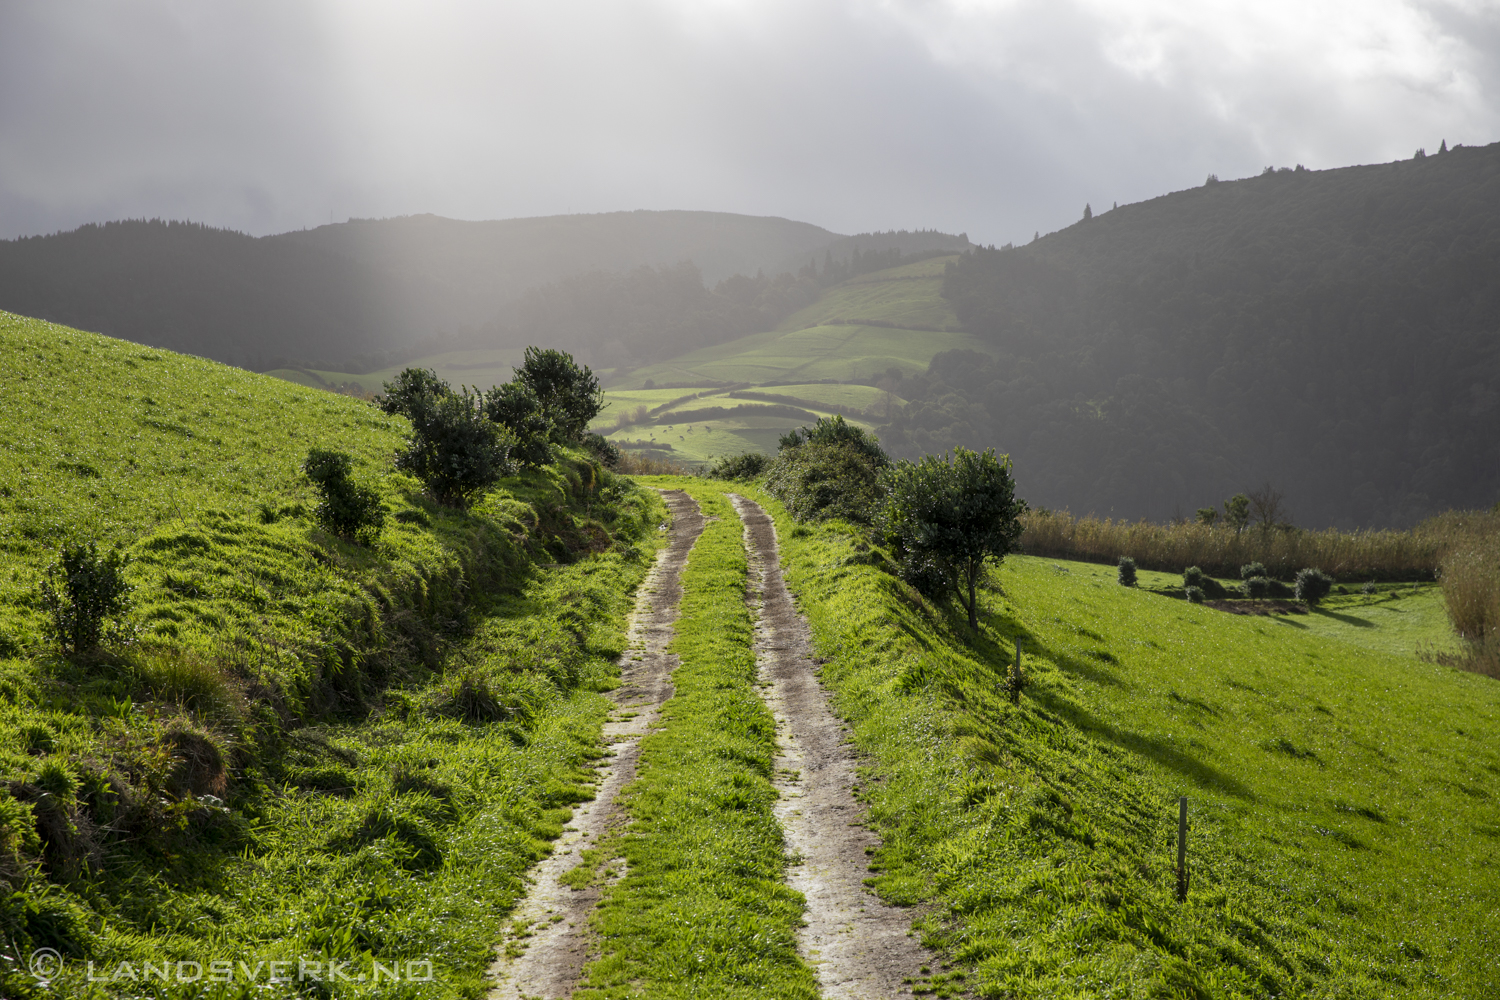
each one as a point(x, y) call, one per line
point(998, 119)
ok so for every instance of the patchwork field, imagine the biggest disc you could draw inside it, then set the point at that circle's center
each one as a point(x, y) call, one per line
point(825, 359)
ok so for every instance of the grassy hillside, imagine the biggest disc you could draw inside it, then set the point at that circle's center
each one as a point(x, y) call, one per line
point(905, 296)
point(1342, 834)
point(306, 748)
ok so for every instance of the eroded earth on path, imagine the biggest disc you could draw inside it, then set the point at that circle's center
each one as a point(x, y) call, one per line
point(548, 941)
point(861, 948)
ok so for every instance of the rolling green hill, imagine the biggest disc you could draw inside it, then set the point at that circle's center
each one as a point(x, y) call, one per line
point(824, 359)
point(300, 745)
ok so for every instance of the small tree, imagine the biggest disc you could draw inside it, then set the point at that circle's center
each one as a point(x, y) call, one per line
point(81, 592)
point(1237, 512)
point(944, 518)
point(346, 508)
point(1126, 574)
point(569, 393)
point(1268, 509)
point(1207, 516)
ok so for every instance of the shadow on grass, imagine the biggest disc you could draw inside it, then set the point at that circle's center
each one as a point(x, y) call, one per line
point(1346, 619)
point(997, 657)
point(994, 653)
point(1202, 774)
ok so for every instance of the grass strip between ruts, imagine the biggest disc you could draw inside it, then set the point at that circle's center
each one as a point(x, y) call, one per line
point(702, 909)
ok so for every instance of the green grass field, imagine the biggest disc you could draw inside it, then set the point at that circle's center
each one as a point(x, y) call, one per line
point(1343, 840)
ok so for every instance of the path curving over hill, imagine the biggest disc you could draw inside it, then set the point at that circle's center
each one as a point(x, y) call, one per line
point(544, 952)
point(861, 948)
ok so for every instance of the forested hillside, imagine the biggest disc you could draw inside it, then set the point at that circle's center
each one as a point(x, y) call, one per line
point(1334, 332)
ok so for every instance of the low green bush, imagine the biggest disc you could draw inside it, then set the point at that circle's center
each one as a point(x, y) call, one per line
point(454, 448)
point(85, 597)
point(1126, 572)
point(818, 482)
point(1194, 594)
point(1313, 585)
point(603, 449)
point(1251, 570)
point(1257, 587)
point(1195, 577)
point(738, 467)
point(345, 507)
point(827, 471)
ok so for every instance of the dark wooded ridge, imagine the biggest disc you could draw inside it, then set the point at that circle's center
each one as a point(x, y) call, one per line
point(1332, 331)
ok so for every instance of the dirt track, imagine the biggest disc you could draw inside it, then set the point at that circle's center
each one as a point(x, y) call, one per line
point(550, 926)
point(860, 947)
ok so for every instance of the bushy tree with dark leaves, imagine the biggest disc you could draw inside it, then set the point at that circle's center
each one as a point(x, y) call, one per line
point(454, 448)
point(568, 392)
point(517, 408)
point(945, 518)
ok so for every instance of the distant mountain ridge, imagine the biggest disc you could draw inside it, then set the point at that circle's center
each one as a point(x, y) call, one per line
point(353, 288)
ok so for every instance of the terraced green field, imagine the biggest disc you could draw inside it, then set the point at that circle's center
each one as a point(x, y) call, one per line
point(909, 296)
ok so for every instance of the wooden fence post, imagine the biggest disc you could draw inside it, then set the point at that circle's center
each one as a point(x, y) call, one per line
point(1182, 871)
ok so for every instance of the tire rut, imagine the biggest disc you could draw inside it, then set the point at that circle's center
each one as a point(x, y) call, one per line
point(548, 942)
point(860, 947)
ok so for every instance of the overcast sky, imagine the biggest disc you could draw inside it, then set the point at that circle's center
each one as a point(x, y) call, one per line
point(995, 117)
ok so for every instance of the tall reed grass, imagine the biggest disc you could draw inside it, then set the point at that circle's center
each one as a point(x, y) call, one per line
point(1220, 551)
point(1471, 590)
point(645, 465)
